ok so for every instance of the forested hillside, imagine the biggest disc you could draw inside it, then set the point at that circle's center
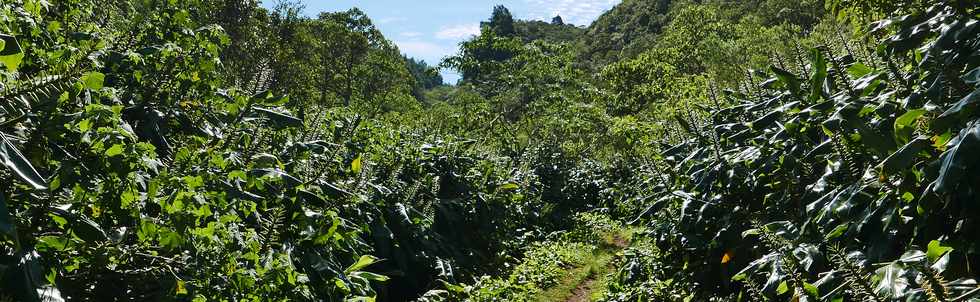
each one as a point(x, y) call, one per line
point(634, 26)
point(216, 150)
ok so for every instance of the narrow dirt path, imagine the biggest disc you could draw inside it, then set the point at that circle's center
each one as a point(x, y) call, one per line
point(583, 292)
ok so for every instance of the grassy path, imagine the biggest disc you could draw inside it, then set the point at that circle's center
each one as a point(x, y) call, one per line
point(587, 281)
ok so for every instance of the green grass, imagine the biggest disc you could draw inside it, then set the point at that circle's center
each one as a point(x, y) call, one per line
point(596, 267)
point(553, 270)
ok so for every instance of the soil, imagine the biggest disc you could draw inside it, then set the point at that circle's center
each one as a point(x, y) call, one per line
point(583, 292)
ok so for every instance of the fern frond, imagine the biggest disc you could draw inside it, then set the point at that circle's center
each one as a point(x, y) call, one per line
point(934, 285)
point(34, 93)
point(754, 290)
point(857, 280)
point(272, 226)
point(851, 158)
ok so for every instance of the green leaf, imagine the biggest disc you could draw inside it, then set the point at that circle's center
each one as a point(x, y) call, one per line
point(789, 79)
point(966, 104)
point(279, 119)
point(782, 288)
point(115, 150)
point(371, 276)
point(872, 139)
point(972, 77)
point(363, 262)
point(765, 121)
point(903, 125)
point(180, 288)
point(57, 243)
point(276, 174)
point(88, 230)
point(904, 157)
point(335, 223)
point(11, 55)
point(811, 290)
point(958, 160)
point(892, 284)
point(819, 63)
point(508, 187)
point(275, 101)
point(13, 159)
point(684, 124)
point(266, 98)
point(858, 70)
point(93, 80)
point(837, 232)
point(936, 249)
point(739, 277)
point(355, 165)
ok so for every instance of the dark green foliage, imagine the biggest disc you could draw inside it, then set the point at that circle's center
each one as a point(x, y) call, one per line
point(635, 26)
point(753, 218)
point(426, 77)
point(624, 31)
point(215, 150)
point(501, 22)
point(550, 32)
point(557, 20)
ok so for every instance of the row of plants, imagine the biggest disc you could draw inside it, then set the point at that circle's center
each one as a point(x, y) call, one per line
point(846, 179)
point(137, 167)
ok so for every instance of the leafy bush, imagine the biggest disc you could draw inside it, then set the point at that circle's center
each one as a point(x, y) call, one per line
point(594, 227)
point(543, 266)
point(847, 182)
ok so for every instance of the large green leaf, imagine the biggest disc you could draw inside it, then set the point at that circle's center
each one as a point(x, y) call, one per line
point(972, 77)
point(904, 125)
point(88, 230)
point(904, 157)
point(684, 124)
point(93, 80)
point(958, 160)
point(275, 174)
point(819, 75)
point(278, 119)
point(13, 159)
point(964, 105)
point(362, 262)
point(936, 249)
point(893, 284)
point(266, 98)
point(11, 55)
point(25, 280)
point(789, 79)
point(881, 144)
point(765, 121)
point(82, 226)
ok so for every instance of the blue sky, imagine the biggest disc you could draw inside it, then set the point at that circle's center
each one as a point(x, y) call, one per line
point(431, 30)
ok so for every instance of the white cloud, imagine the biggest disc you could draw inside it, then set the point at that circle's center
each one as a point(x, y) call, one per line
point(458, 31)
point(578, 12)
point(424, 50)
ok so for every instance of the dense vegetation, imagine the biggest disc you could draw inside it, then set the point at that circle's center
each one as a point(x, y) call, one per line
point(763, 150)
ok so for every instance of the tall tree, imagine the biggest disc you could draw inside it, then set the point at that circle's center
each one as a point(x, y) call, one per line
point(426, 77)
point(344, 40)
point(502, 22)
point(557, 20)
